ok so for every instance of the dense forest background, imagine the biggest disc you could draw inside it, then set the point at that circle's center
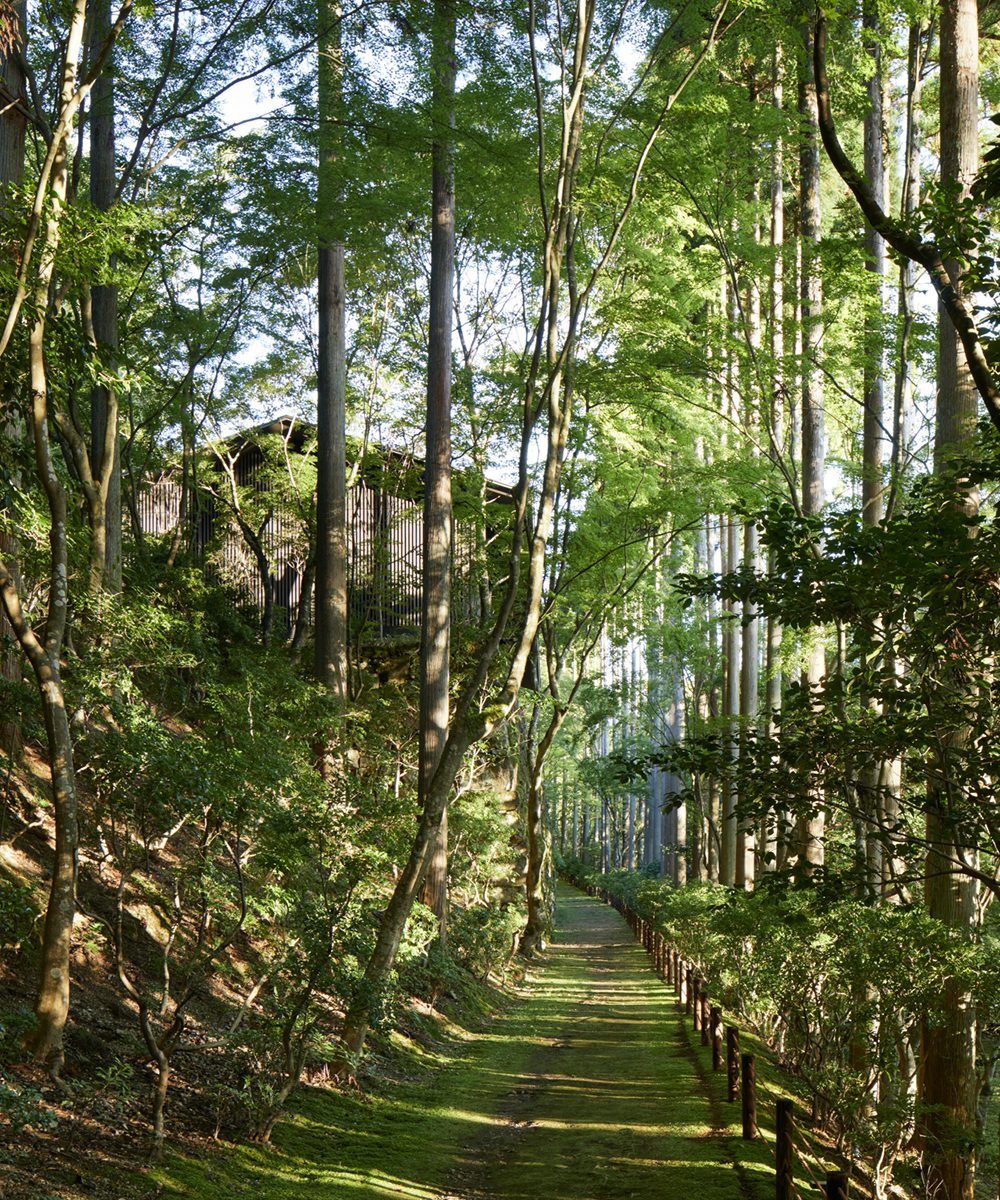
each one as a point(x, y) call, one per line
point(443, 445)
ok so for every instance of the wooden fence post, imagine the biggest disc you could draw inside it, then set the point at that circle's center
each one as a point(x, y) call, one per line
point(732, 1062)
point(837, 1184)
point(749, 1096)
point(716, 1037)
point(705, 1016)
point(783, 1133)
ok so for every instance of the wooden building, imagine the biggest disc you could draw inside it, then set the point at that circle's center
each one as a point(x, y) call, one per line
point(235, 513)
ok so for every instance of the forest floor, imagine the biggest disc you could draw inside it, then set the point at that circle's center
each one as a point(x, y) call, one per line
point(591, 1087)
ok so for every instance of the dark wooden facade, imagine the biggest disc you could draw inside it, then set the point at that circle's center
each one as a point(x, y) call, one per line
point(384, 531)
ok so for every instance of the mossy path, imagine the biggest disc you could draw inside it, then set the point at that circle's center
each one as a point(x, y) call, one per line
point(590, 1089)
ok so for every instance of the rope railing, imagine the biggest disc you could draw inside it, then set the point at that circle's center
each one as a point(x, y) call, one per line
point(788, 1148)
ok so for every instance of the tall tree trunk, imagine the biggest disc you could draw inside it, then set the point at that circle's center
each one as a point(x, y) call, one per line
point(872, 504)
point(585, 833)
point(713, 815)
point(753, 423)
point(893, 865)
point(13, 124)
point(106, 519)
point(957, 398)
point(731, 709)
point(680, 850)
point(331, 389)
point(749, 691)
point(772, 655)
point(909, 201)
point(563, 811)
point(633, 712)
point(811, 827)
point(537, 922)
point(52, 1004)
point(730, 556)
point(876, 777)
point(435, 643)
point(948, 1099)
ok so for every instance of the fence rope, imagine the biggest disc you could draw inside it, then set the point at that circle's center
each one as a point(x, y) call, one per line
point(804, 1149)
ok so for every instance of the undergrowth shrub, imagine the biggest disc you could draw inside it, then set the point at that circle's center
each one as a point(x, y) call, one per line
point(483, 937)
point(23, 1107)
point(18, 914)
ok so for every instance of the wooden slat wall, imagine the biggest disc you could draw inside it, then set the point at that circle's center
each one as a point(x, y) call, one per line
point(385, 553)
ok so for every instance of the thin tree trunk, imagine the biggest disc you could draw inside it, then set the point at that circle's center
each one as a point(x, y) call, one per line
point(331, 390)
point(52, 1004)
point(753, 423)
point(892, 864)
point(303, 623)
point(729, 538)
point(874, 776)
point(948, 1097)
point(910, 200)
point(731, 708)
point(680, 850)
point(107, 519)
point(811, 827)
point(537, 921)
point(713, 816)
point(435, 643)
point(563, 799)
point(749, 692)
point(872, 503)
point(13, 124)
point(773, 635)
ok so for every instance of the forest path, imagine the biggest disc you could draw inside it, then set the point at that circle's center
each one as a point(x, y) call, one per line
point(614, 1102)
point(591, 1088)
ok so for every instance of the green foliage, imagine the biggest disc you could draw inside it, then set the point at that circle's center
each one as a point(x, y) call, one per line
point(23, 1107)
point(18, 1020)
point(19, 914)
point(484, 937)
point(821, 978)
point(117, 1083)
point(919, 591)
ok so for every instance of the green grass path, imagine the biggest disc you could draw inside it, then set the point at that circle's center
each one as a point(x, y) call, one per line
point(590, 1089)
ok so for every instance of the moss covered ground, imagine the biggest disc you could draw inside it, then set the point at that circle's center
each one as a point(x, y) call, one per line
point(590, 1088)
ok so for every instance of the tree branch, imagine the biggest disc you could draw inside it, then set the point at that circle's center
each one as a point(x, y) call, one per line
point(927, 253)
